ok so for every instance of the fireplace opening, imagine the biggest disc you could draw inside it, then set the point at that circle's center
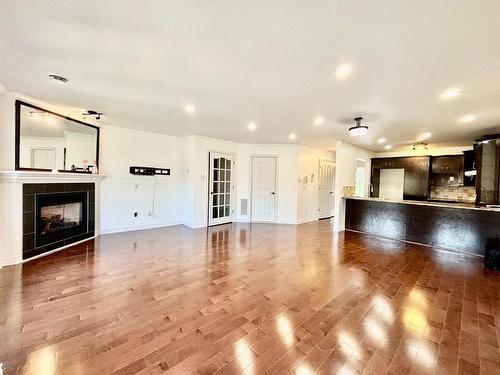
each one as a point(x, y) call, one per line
point(60, 216)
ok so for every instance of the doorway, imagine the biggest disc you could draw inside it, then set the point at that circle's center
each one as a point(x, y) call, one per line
point(326, 175)
point(264, 195)
point(220, 189)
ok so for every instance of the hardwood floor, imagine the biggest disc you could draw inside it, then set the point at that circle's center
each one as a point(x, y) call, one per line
point(251, 300)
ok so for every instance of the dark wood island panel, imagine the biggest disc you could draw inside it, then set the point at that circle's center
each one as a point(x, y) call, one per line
point(454, 228)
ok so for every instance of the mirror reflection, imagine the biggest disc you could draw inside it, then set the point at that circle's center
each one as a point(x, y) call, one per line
point(51, 141)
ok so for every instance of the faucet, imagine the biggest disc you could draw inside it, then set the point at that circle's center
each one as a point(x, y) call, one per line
point(370, 189)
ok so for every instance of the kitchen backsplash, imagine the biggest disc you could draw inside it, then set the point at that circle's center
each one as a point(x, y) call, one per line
point(454, 193)
point(348, 191)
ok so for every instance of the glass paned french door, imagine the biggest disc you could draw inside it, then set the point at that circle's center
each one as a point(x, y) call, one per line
point(220, 189)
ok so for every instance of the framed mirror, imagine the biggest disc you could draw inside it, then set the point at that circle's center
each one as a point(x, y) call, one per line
point(46, 140)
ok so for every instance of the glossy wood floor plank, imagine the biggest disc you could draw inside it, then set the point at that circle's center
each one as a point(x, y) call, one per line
point(250, 299)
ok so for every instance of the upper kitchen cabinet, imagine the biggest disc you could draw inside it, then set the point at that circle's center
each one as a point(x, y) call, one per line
point(447, 170)
point(488, 170)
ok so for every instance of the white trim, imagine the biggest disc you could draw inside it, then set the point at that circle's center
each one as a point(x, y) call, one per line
point(47, 177)
point(276, 188)
point(139, 227)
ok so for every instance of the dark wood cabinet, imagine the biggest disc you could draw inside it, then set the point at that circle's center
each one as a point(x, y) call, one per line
point(447, 170)
point(416, 180)
point(488, 170)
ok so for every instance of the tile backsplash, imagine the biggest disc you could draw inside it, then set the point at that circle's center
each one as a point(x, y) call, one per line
point(348, 191)
point(454, 193)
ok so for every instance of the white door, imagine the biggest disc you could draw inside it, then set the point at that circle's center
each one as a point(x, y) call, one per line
point(263, 189)
point(43, 158)
point(326, 175)
point(220, 207)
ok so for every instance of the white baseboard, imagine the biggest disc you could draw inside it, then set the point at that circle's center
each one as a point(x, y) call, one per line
point(307, 220)
point(138, 227)
point(10, 261)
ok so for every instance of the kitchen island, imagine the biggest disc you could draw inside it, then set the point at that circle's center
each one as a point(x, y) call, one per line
point(458, 227)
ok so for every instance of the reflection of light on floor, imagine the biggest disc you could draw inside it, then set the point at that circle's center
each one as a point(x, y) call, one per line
point(285, 329)
point(421, 354)
point(376, 332)
point(415, 313)
point(349, 345)
point(303, 369)
point(346, 371)
point(245, 356)
point(42, 361)
point(383, 308)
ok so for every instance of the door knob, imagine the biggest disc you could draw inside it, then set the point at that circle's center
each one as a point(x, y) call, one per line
point(273, 193)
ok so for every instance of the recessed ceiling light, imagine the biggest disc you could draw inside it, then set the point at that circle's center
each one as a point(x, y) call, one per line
point(467, 118)
point(450, 93)
point(426, 135)
point(319, 120)
point(381, 140)
point(343, 71)
point(388, 147)
point(56, 78)
point(189, 108)
point(252, 126)
point(292, 136)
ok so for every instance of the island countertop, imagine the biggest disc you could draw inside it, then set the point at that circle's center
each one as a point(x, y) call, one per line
point(458, 227)
point(470, 206)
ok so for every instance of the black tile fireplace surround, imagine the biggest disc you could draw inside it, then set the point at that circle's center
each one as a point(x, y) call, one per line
point(56, 215)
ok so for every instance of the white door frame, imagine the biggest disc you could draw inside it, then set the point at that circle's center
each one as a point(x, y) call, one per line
point(233, 185)
point(276, 187)
point(333, 186)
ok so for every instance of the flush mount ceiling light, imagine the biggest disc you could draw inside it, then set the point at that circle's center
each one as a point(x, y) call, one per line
point(92, 113)
point(467, 118)
point(426, 135)
point(343, 71)
point(190, 109)
point(358, 130)
point(252, 126)
point(56, 78)
point(292, 136)
point(319, 120)
point(450, 93)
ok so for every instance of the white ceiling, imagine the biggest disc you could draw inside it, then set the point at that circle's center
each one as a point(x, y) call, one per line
point(141, 62)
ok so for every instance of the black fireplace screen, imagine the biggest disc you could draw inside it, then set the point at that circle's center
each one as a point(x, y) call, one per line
point(60, 216)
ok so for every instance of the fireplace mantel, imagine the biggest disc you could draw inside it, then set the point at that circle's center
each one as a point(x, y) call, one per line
point(11, 206)
point(31, 176)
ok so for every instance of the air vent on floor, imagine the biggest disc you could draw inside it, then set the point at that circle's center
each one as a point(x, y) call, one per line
point(244, 207)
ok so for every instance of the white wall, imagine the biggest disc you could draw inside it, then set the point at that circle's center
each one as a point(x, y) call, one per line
point(433, 150)
point(122, 194)
point(28, 143)
point(347, 156)
point(286, 186)
point(307, 183)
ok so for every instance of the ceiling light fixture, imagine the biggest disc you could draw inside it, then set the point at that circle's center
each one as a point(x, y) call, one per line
point(358, 130)
point(420, 145)
point(189, 108)
point(450, 93)
point(381, 140)
point(292, 136)
point(56, 78)
point(319, 120)
point(426, 135)
point(252, 126)
point(343, 71)
point(388, 147)
point(92, 113)
point(467, 118)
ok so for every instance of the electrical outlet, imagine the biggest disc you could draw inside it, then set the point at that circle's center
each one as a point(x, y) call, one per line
point(136, 214)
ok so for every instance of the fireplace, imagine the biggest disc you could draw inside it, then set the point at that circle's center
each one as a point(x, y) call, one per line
point(56, 215)
point(60, 216)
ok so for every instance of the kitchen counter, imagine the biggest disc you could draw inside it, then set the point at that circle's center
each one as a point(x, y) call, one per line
point(459, 227)
point(435, 203)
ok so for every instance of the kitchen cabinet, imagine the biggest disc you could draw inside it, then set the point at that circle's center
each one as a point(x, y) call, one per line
point(470, 166)
point(416, 176)
point(488, 170)
point(447, 170)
